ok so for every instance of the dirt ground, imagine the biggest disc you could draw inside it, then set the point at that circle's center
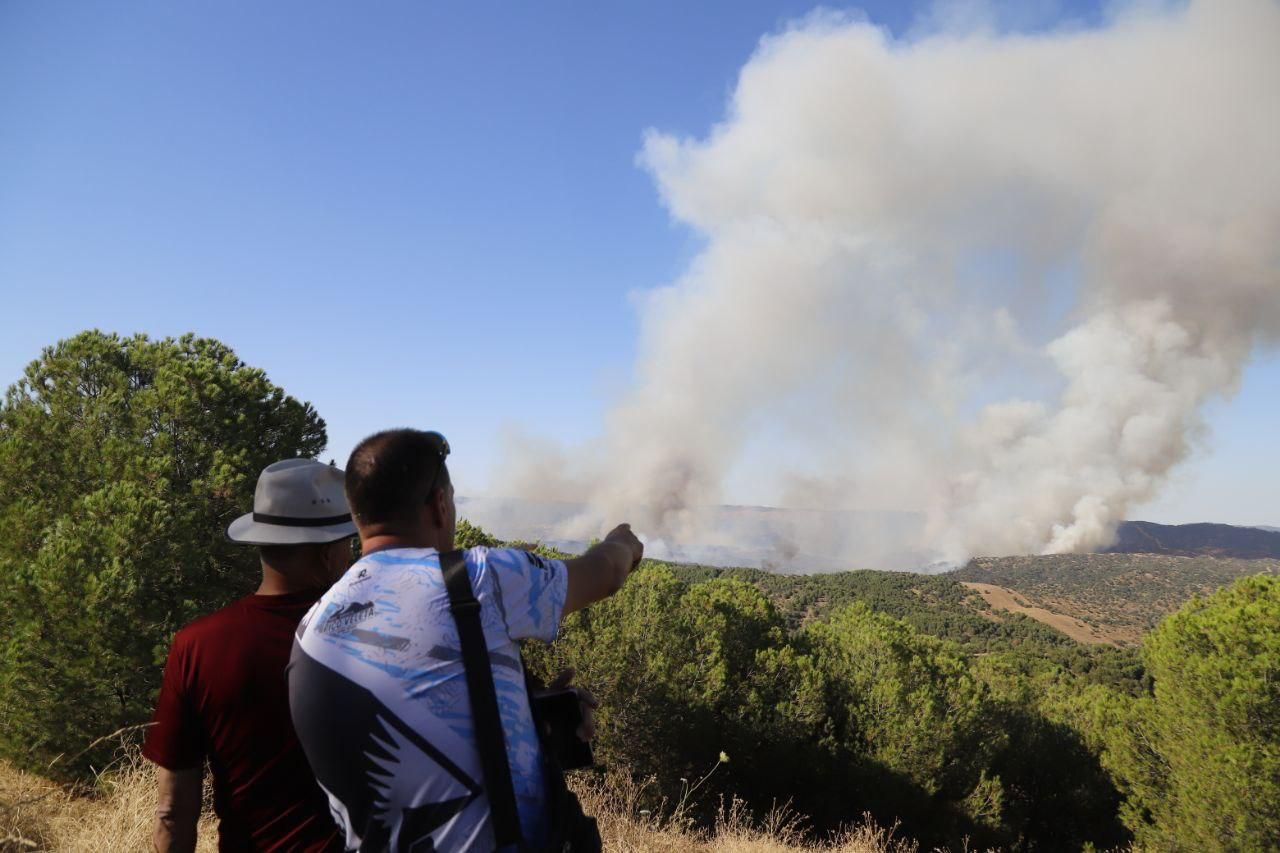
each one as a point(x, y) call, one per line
point(1001, 598)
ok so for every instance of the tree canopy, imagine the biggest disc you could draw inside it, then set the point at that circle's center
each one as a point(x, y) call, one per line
point(1200, 757)
point(122, 460)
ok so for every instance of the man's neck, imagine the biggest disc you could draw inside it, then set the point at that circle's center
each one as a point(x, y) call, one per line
point(385, 541)
point(275, 582)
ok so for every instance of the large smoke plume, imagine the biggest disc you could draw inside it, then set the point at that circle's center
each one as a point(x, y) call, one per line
point(991, 277)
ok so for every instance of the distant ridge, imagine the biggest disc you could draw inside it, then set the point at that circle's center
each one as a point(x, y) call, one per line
point(1196, 540)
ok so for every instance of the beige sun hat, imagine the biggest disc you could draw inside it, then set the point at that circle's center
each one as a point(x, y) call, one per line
point(297, 502)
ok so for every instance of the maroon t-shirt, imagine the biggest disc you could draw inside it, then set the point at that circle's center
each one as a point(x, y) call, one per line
point(224, 697)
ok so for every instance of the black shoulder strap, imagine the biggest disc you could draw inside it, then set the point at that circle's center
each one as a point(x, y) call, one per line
point(484, 700)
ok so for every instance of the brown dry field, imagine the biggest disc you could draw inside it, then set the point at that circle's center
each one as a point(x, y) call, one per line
point(1002, 598)
point(116, 817)
point(1123, 595)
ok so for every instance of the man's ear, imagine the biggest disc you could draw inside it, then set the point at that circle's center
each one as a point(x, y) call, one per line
point(438, 508)
point(340, 553)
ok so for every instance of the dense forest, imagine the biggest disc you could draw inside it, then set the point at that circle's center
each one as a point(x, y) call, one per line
point(122, 460)
point(893, 702)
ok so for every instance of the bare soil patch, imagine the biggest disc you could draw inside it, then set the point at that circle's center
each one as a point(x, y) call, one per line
point(1002, 598)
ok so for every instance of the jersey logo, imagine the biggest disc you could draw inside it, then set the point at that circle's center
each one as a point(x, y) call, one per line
point(347, 618)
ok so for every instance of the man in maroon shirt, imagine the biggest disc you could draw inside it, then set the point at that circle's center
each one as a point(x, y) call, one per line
point(224, 697)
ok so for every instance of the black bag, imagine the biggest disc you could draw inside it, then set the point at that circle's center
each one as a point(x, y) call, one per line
point(571, 830)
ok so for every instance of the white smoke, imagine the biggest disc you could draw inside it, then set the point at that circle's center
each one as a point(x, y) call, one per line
point(898, 232)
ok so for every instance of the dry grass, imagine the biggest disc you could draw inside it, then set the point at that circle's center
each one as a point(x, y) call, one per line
point(1001, 598)
point(115, 815)
point(626, 828)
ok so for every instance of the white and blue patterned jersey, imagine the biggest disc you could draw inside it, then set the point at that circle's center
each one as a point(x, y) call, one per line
point(378, 695)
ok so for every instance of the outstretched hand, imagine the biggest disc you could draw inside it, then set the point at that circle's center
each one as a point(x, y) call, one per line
point(603, 570)
point(622, 535)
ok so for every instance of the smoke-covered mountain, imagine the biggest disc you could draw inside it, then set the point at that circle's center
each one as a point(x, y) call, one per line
point(774, 538)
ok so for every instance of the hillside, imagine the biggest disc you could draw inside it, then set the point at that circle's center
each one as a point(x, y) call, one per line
point(1210, 540)
point(1051, 603)
point(1003, 600)
point(940, 606)
point(1119, 596)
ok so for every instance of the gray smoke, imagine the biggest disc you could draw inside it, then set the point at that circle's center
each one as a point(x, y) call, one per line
point(990, 277)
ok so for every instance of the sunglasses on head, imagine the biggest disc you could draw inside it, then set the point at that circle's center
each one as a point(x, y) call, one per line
point(442, 443)
point(442, 450)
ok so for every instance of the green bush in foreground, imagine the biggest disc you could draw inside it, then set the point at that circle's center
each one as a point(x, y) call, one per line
point(122, 460)
point(857, 713)
point(1200, 759)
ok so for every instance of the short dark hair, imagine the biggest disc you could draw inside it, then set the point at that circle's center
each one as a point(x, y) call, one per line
point(390, 472)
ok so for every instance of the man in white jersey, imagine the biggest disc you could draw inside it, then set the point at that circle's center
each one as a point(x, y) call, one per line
point(377, 688)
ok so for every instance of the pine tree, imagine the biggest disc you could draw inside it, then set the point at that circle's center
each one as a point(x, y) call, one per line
point(122, 460)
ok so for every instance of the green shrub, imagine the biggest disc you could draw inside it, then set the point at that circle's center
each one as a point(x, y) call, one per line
point(905, 700)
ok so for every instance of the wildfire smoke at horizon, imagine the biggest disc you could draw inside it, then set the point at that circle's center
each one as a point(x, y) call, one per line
point(898, 231)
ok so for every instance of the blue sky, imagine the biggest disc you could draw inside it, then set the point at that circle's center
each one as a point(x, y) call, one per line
point(406, 212)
